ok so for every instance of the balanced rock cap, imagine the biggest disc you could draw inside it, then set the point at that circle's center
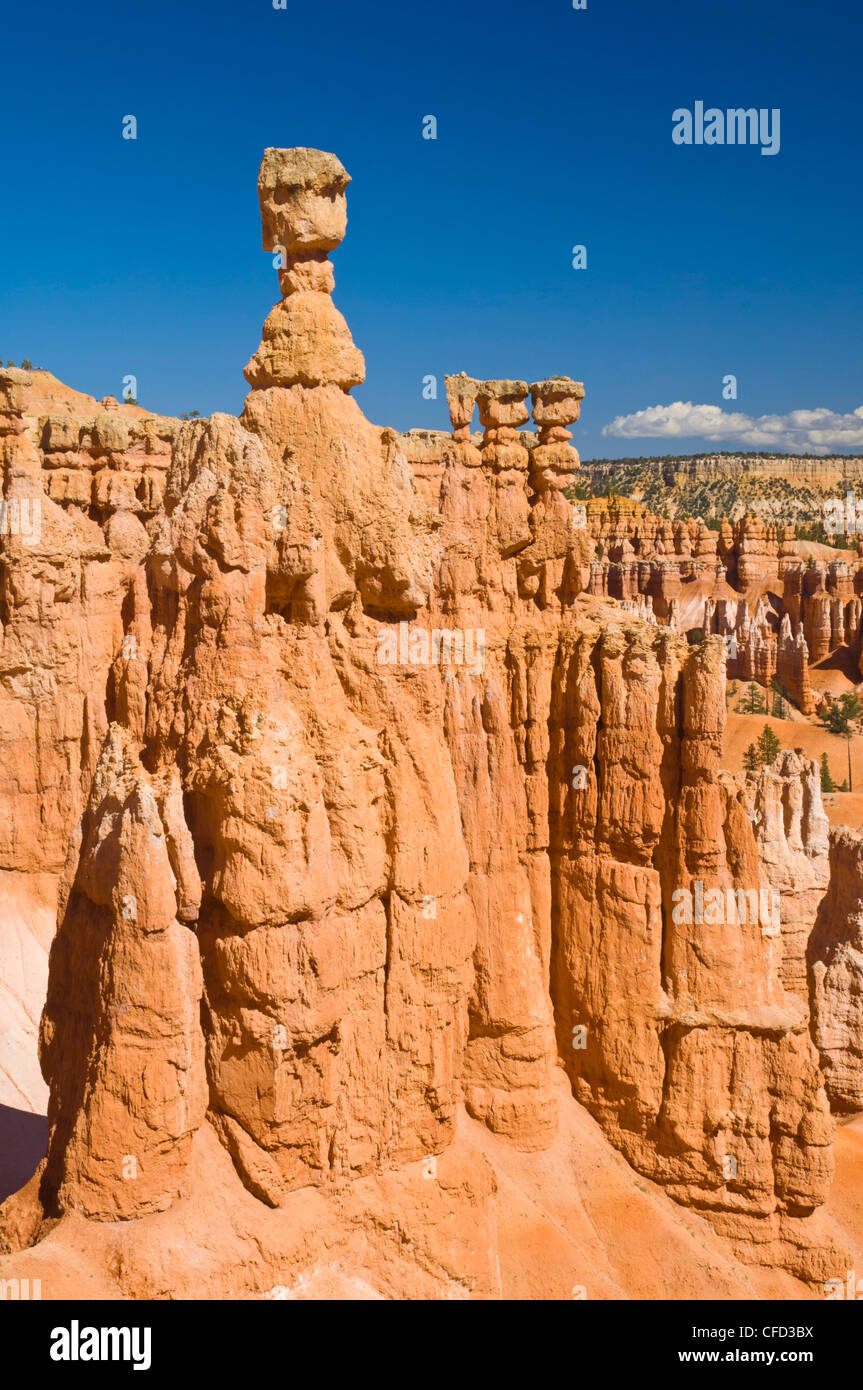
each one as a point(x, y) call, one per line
point(302, 168)
point(558, 386)
point(301, 194)
point(502, 390)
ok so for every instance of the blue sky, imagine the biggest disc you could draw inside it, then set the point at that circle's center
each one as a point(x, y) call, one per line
point(554, 129)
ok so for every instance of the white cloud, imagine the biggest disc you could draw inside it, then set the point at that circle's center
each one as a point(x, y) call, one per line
point(816, 431)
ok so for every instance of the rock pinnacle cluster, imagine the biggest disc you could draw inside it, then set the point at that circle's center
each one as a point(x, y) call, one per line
point(351, 952)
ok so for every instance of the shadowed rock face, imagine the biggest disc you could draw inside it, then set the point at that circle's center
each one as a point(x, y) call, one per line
point(24, 1136)
point(386, 813)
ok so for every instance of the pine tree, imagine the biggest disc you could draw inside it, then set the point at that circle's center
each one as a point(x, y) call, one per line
point(840, 716)
point(827, 783)
point(750, 759)
point(768, 746)
point(841, 713)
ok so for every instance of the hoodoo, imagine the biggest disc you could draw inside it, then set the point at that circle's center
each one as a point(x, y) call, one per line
point(365, 968)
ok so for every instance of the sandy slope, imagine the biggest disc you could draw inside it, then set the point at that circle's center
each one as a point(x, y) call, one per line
point(843, 808)
point(573, 1222)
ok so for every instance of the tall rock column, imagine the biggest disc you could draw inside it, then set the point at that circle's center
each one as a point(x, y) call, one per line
point(835, 958)
point(466, 505)
point(791, 831)
point(336, 934)
point(373, 536)
point(495, 729)
point(501, 411)
point(461, 394)
point(303, 218)
point(121, 1041)
point(671, 1016)
point(556, 565)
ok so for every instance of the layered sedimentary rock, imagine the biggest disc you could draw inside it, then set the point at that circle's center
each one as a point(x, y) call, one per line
point(80, 483)
point(791, 832)
point(69, 564)
point(754, 567)
point(823, 600)
point(835, 956)
point(691, 573)
point(389, 811)
point(672, 1019)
